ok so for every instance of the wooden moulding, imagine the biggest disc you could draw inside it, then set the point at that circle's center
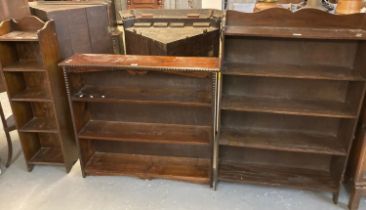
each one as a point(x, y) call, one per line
point(29, 56)
point(290, 97)
point(305, 23)
point(143, 116)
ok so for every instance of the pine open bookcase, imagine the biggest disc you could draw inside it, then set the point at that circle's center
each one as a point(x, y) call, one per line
point(290, 97)
point(36, 90)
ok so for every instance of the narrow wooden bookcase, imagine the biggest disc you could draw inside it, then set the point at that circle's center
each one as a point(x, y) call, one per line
point(144, 116)
point(35, 86)
point(291, 91)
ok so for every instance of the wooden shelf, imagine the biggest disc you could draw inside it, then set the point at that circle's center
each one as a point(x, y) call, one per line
point(48, 156)
point(292, 71)
point(287, 106)
point(143, 95)
point(32, 96)
point(148, 167)
point(39, 125)
point(146, 132)
point(280, 140)
point(296, 32)
point(20, 36)
point(277, 176)
point(24, 66)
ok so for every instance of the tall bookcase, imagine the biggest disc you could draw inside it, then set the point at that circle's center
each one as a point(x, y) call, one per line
point(35, 86)
point(291, 91)
point(144, 116)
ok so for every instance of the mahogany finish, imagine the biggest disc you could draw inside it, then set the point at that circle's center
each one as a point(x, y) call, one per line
point(144, 116)
point(290, 95)
point(29, 55)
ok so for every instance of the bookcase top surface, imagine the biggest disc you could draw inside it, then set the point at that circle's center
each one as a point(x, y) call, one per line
point(135, 62)
point(305, 23)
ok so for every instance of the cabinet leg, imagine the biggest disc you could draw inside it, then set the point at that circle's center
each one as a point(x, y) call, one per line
point(335, 197)
point(354, 201)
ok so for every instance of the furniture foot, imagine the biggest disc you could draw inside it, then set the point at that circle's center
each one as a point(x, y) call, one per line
point(354, 201)
point(335, 197)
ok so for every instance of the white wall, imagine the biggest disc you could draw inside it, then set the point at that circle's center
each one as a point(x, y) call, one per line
point(211, 4)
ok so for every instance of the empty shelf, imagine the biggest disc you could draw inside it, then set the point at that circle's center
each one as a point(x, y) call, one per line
point(282, 141)
point(39, 125)
point(286, 106)
point(146, 132)
point(148, 167)
point(22, 36)
point(24, 66)
point(292, 71)
point(277, 176)
point(47, 156)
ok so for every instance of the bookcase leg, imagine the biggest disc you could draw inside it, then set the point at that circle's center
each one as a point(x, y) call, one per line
point(335, 197)
point(30, 167)
point(354, 201)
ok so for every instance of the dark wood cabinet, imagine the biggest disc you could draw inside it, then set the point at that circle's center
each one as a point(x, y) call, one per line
point(291, 93)
point(150, 117)
point(36, 90)
point(172, 32)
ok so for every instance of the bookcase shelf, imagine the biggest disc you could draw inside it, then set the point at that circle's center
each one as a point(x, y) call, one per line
point(292, 71)
point(282, 140)
point(288, 106)
point(290, 98)
point(40, 125)
point(153, 119)
point(146, 132)
point(24, 66)
point(20, 36)
point(148, 167)
point(35, 88)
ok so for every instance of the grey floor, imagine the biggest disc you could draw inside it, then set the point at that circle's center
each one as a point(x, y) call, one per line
point(50, 188)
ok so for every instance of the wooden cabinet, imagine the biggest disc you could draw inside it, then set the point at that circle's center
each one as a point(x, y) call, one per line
point(172, 33)
point(150, 117)
point(35, 86)
point(291, 93)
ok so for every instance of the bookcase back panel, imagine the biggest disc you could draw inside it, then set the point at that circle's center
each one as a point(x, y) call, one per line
point(31, 84)
point(264, 121)
point(290, 51)
point(283, 88)
point(143, 86)
point(21, 52)
point(29, 112)
point(147, 79)
point(150, 113)
point(49, 140)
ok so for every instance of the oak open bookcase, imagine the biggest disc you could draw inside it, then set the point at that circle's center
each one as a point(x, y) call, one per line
point(29, 57)
point(143, 116)
point(291, 91)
